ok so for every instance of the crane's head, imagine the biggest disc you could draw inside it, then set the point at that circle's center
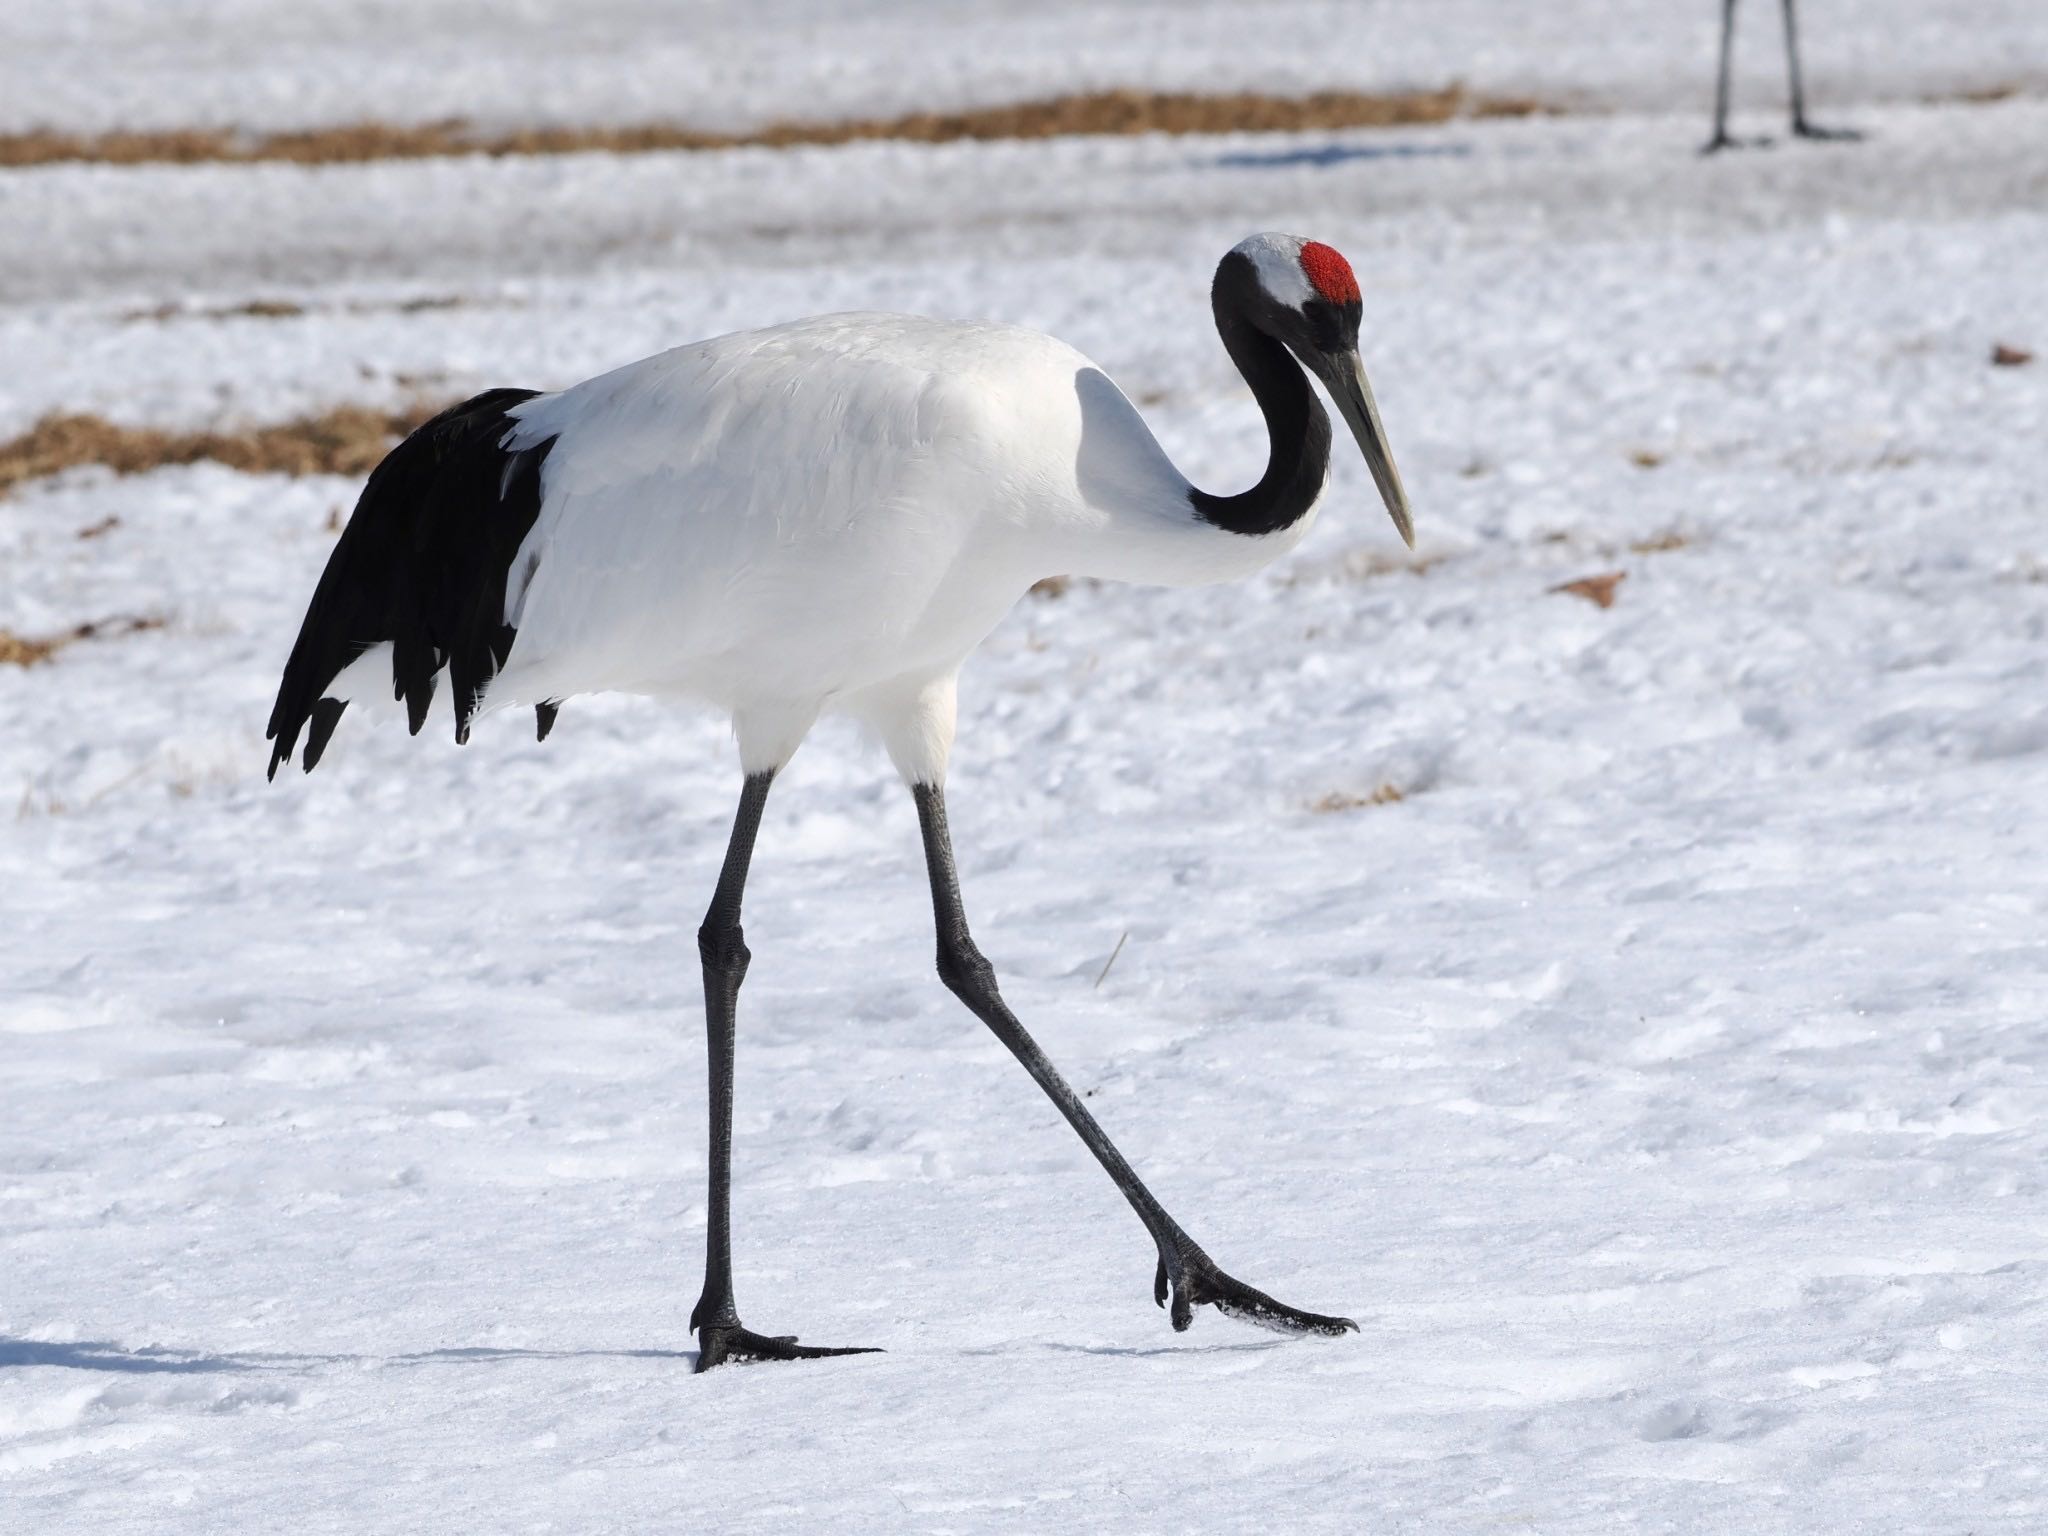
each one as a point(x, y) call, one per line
point(1303, 294)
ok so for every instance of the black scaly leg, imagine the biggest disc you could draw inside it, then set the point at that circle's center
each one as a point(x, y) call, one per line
point(1800, 126)
point(1185, 1273)
point(724, 951)
point(1722, 139)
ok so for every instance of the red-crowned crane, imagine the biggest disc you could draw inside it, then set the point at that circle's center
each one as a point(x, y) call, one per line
point(1801, 128)
point(825, 515)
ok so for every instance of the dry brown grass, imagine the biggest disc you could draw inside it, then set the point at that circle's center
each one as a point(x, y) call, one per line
point(1977, 96)
point(21, 651)
point(1362, 565)
point(1339, 800)
point(348, 440)
point(289, 309)
point(254, 309)
point(33, 650)
point(1096, 112)
point(1659, 544)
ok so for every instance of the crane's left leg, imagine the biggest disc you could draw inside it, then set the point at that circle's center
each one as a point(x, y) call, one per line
point(1185, 1273)
point(1801, 128)
point(723, 948)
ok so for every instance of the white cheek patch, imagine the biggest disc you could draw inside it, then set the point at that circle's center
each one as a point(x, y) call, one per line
point(1277, 260)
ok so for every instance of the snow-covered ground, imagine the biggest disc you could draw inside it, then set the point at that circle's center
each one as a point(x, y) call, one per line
point(1659, 1081)
point(97, 64)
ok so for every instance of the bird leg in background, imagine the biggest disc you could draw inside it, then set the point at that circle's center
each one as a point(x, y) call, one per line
point(1721, 138)
point(723, 948)
point(1800, 126)
point(1186, 1274)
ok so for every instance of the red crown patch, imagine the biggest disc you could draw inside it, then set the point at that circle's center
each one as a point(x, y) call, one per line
point(1328, 273)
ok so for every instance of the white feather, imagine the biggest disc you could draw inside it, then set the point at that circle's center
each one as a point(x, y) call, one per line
point(1277, 260)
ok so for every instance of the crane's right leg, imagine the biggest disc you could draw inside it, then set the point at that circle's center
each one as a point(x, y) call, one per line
point(723, 948)
point(1187, 1277)
point(1800, 126)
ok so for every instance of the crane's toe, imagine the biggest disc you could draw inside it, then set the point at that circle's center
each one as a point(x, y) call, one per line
point(1191, 1280)
point(1721, 141)
point(1806, 130)
point(735, 1345)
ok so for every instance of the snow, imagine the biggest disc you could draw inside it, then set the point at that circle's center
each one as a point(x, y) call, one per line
point(1659, 1081)
point(738, 63)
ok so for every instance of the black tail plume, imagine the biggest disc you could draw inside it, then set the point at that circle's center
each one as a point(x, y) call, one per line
point(422, 564)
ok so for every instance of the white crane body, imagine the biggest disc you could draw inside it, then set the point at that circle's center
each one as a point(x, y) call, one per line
point(832, 514)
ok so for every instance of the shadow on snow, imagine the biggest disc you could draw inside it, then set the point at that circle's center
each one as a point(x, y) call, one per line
point(1322, 156)
point(98, 1355)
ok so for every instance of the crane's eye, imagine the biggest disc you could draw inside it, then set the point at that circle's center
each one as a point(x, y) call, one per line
point(1330, 329)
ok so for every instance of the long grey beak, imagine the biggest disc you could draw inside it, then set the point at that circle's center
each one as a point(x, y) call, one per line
point(1345, 376)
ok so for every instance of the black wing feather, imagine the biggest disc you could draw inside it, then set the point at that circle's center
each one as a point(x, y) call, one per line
point(423, 564)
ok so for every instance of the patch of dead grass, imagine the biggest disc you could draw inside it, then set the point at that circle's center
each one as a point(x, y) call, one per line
point(1976, 96)
point(255, 309)
point(289, 309)
point(1094, 112)
point(22, 651)
point(348, 440)
point(33, 650)
point(1659, 544)
point(1363, 565)
point(1338, 800)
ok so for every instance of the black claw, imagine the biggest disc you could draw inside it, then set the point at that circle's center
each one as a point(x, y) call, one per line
point(1175, 1286)
point(1200, 1283)
point(1277, 1317)
point(738, 1346)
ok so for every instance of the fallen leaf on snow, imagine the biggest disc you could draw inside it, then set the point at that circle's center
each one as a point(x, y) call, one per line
point(1597, 590)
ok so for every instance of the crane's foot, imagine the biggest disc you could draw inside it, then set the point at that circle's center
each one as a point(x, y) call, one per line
point(1721, 141)
point(1805, 130)
point(733, 1345)
point(1191, 1279)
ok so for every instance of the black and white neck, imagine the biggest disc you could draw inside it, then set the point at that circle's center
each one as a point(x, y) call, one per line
point(1270, 308)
